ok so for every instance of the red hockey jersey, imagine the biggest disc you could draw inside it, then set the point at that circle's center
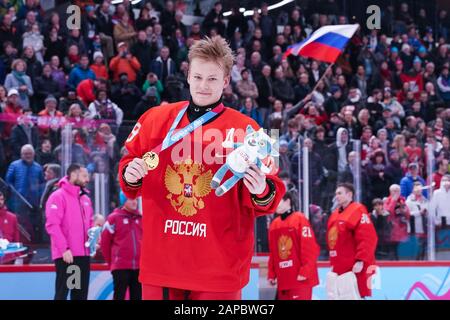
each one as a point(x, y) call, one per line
point(293, 251)
point(351, 237)
point(193, 239)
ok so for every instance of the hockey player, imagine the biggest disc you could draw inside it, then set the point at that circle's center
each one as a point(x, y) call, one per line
point(293, 253)
point(195, 243)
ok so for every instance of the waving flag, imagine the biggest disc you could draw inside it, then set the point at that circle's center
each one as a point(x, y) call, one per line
point(325, 44)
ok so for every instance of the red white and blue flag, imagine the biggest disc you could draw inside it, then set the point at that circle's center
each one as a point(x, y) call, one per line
point(325, 44)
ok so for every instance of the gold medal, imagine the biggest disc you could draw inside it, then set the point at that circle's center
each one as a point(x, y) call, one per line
point(151, 160)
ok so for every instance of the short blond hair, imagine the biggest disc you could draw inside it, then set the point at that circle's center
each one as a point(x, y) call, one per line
point(214, 49)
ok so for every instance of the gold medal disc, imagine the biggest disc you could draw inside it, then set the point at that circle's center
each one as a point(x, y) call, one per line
point(151, 160)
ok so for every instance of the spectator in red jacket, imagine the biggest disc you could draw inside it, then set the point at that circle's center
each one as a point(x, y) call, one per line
point(87, 88)
point(9, 228)
point(121, 246)
point(293, 253)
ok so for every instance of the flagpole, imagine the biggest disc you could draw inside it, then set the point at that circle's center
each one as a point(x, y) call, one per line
point(321, 78)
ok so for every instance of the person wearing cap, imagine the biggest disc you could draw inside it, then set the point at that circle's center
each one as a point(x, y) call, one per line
point(124, 62)
point(407, 182)
point(12, 111)
point(98, 66)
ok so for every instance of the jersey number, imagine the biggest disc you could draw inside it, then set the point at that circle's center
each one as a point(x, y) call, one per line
point(134, 132)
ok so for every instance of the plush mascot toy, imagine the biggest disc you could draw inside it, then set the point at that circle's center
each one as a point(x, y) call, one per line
point(257, 146)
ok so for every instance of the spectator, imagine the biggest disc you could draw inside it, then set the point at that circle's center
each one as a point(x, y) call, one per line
point(282, 89)
point(104, 109)
point(250, 110)
point(50, 120)
point(120, 245)
point(153, 81)
point(44, 154)
point(393, 170)
point(58, 74)
point(237, 68)
point(105, 29)
point(124, 62)
point(377, 172)
point(98, 67)
point(20, 81)
point(68, 232)
point(380, 220)
point(125, 32)
point(246, 88)
point(214, 20)
point(148, 100)
point(27, 177)
point(54, 45)
point(80, 72)
point(230, 99)
point(75, 38)
point(34, 39)
point(303, 87)
point(398, 219)
point(44, 86)
point(23, 133)
point(407, 182)
point(443, 83)
point(87, 88)
point(442, 170)
point(418, 208)
point(12, 111)
point(9, 228)
point(316, 170)
point(70, 99)
point(440, 204)
point(163, 66)
point(413, 151)
point(145, 52)
point(277, 116)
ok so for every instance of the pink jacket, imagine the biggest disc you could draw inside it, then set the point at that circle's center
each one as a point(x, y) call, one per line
point(69, 216)
point(121, 240)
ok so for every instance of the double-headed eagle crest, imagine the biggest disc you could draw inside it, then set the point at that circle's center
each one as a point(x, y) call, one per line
point(187, 183)
point(284, 247)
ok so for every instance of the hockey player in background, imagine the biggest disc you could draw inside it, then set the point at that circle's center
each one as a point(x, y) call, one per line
point(352, 241)
point(293, 253)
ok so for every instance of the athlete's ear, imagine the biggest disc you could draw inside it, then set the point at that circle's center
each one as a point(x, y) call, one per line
point(226, 81)
point(188, 76)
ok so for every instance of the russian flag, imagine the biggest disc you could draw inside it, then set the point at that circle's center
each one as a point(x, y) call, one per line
point(325, 44)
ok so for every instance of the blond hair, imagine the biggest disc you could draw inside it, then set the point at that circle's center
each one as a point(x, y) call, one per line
point(214, 49)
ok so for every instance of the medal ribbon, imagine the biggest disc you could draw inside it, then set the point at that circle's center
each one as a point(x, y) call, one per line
point(171, 138)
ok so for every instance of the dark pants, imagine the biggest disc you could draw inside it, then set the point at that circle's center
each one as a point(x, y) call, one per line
point(124, 279)
point(67, 279)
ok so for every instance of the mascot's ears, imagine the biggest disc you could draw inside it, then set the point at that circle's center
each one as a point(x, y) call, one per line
point(250, 129)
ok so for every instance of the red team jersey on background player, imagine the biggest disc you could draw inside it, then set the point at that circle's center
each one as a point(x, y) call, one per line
point(193, 239)
point(293, 252)
point(351, 237)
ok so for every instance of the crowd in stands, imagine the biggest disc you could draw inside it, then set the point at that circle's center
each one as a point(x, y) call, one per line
point(390, 89)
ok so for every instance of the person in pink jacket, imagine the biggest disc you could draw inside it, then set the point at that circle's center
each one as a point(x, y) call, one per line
point(69, 215)
point(121, 247)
